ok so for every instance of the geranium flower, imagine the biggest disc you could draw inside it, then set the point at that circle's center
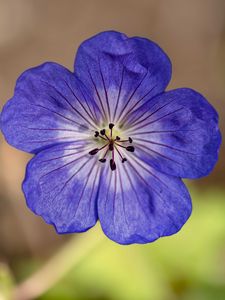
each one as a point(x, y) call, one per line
point(110, 144)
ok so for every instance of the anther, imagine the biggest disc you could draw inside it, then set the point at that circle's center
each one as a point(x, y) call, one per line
point(96, 133)
point(112, 165)
point(94, 151)
point(102, 132)
point(102, 160)
point(130, 148)
point(112, 144)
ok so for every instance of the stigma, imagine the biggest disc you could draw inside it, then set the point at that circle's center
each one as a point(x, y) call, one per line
point(112, 143)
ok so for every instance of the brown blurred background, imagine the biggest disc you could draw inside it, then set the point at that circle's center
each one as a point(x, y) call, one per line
point(31, 32)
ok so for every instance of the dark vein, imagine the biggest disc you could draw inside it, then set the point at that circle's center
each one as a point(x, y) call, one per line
point(131, 109)
point(97, 93)
point(148, 171)
point(51, 129)
point(52, 139)
point(164, 131)
point(158, 109)
point(132, 94)
point(119, 93)
point(114, 198)
point(94, 116)
point(123, 202)
point(143, 179)
point(62, 156)
point(80, 102)
point(107, 194)
point(135, 192)
point(105, 90)
point(160, 118)
point(83, 189)
point(93, 186)
point(156, 152)
point(165, 145)
point(63, 166)
point(68, 102)
point(65, 184)
point(60, 115)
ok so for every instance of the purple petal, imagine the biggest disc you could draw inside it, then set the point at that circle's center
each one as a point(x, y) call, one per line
point(122, 72)
point(50, 106)
point(177, 133)
point(61, 185)
point(138, 204)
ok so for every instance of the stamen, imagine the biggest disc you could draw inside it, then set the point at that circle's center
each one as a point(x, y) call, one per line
point(102, 160)
point(130, 148)
point(123, 141)
point(111, 144)
point(102, 132)
point(94, 151)
point(112, 165)
point(102, 138)
point(97, 135)
point(111, 125)
point(123, 158)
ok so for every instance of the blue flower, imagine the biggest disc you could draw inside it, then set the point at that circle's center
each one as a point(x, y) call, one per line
point(110, 144)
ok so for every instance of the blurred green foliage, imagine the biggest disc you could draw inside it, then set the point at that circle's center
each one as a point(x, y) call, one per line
point(6, 282)
point(189, 265)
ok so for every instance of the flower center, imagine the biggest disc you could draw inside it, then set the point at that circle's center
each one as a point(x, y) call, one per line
point(112, 143)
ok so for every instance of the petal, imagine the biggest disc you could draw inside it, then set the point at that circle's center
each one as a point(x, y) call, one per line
point(138, 204)
point(50, 106)
point(177, 133)
point(61, 185)
point(122, 72)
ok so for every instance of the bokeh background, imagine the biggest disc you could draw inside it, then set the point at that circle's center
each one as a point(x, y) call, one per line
point(35, 262)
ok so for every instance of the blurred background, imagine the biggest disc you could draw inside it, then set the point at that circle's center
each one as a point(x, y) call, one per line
point(35, 262)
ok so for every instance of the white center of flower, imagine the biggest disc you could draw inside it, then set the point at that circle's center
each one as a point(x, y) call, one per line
point(111, 142)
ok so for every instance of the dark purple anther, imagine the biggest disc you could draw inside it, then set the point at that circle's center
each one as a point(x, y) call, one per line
point(112, 165)
point(102, 160)
point(102, 132)
point(94, 151)
point(130, 148)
